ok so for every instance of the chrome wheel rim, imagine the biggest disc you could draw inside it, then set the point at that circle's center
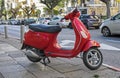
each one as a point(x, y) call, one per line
point(94, 57)
point(106, 32)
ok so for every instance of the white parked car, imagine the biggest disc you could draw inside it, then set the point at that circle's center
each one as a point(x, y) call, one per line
point(111, 26)
point(43, 20)
point(58, 20)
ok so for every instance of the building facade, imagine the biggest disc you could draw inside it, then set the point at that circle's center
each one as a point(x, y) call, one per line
point(93, 5)
point(100, 7)
point(97, 6)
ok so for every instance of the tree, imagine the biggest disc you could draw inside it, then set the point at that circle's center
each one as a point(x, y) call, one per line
point(107, 2)
point(38, 12)
point(82, 2)
point(51, 4)
point(15, 11)
point(47, 11)
point(3, 12)
point(73, 2)
point(29, 10)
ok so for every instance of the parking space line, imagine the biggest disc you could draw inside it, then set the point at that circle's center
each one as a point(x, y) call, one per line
point(116, 41)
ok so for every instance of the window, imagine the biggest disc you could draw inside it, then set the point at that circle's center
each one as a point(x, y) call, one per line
point(117, 16)
point(55, 18)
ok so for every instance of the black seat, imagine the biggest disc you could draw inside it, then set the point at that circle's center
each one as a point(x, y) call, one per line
point(45, 28)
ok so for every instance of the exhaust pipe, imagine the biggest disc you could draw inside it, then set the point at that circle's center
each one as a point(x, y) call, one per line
point(31, 54)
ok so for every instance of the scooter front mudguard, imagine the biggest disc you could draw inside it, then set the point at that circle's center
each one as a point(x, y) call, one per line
point(90, 44)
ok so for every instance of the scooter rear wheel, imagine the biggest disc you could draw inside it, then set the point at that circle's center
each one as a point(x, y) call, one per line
point(32, 59)
point(93, 58)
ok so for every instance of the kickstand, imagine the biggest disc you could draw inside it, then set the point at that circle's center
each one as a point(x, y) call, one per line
point(45, 61)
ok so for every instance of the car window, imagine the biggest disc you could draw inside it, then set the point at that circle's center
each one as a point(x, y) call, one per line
point(41, 18)
point(84, 16)
point(55, 18)
point(47, 18)
point(117, 16)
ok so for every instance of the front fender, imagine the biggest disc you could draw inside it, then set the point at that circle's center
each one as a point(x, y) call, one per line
point(89, 44)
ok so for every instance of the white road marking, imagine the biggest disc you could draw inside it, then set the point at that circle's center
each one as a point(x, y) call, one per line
point(116, 41)
point(65, 43)
point(108, 47)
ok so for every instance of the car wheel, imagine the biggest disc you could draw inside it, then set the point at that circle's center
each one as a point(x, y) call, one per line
point(70, 26)
point(86, 25)
point(106, 32)
point(93, 58)
point(57, 24)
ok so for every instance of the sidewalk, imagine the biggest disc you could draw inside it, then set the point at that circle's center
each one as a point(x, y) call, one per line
point(14, 64)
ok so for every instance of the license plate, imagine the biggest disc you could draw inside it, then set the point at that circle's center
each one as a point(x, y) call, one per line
point(95, 24)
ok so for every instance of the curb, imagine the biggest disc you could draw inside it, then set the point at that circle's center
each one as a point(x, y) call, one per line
point(112, 67)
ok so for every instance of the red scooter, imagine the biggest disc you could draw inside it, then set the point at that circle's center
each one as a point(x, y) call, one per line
point(40, 42)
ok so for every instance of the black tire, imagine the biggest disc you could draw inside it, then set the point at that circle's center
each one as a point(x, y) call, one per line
point(106, 32)
point(57, 24)
point(32, 59)
point(93, 58)
point(86, 25)
point(70, 26)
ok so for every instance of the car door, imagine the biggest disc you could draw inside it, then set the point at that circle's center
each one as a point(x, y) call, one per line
point(115, 22)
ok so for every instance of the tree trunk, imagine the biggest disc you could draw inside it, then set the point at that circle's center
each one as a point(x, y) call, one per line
point(28, 16)
point(108, 9)
point(82, 3)
point(52, 13)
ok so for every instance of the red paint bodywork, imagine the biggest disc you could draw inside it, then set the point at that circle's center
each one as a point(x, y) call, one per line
point(48, 43)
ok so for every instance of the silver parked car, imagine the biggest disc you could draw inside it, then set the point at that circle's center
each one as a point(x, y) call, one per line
point(89, 21)
point(111, 26)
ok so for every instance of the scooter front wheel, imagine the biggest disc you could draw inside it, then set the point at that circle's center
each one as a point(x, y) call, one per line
point(93, 58)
